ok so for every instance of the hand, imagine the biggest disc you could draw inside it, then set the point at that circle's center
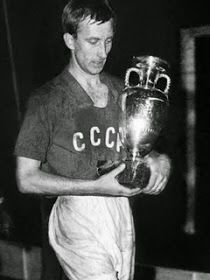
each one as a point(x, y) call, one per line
point(107, 184)
point(160, 167)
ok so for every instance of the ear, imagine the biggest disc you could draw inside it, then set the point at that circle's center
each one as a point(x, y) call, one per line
point(69, 40)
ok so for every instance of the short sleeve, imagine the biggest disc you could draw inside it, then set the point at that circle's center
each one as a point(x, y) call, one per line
point(33, 138)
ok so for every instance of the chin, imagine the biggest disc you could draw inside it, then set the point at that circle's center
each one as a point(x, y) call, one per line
point(96, 71)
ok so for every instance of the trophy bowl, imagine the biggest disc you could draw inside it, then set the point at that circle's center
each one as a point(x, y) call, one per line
point(144, 107)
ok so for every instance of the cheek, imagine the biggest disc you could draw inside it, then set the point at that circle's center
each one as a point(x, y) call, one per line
point(85, 53)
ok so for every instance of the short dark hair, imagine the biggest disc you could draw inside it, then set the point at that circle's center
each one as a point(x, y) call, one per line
point(77, 10)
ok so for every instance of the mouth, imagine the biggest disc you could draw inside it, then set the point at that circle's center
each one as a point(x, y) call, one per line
point(99, 63)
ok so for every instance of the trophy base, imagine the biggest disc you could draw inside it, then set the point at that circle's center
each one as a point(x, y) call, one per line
point(135, 175)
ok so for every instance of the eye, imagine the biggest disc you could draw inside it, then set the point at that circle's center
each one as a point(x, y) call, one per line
point(109, 41)
point(93, 41)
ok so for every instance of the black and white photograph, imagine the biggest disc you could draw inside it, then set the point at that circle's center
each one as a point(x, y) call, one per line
point(105, 140)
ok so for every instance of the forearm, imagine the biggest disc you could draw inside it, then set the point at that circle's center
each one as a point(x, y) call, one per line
point(39, 182)
point(30, 179)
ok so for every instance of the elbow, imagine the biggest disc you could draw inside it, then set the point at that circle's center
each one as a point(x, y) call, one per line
point(27, 174)
point(21, 186)
point(23, 183)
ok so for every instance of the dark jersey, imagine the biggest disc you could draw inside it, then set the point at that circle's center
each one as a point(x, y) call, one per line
point(65, 131)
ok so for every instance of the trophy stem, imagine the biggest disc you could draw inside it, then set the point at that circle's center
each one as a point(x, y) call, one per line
point(135, 162)
point(136, 174)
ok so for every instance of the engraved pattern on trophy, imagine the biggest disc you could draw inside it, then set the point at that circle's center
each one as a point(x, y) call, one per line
point(144, 113)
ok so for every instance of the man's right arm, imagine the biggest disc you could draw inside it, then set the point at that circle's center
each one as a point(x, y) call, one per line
point(32, 180)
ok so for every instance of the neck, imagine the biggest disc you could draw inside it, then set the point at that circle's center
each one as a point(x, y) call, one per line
point(82, 77)
point(92, 85)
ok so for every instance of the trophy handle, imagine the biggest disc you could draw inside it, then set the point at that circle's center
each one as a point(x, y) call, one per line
point(168, 81)
point(127, 76)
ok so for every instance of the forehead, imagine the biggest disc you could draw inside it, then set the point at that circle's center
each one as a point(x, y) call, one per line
point(91, 28)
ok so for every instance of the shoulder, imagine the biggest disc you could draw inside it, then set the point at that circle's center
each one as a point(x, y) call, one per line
point(116, 82)
point(49, 94)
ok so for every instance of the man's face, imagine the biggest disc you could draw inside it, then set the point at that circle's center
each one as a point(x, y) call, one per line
point(92, 45)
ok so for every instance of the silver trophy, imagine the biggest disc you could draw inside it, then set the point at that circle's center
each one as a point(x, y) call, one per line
point(144, 113)
point(144, 104)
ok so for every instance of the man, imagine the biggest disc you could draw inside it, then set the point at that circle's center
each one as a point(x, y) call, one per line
point(72, 124)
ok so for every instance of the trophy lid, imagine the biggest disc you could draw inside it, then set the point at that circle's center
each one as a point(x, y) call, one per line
point(150, 62)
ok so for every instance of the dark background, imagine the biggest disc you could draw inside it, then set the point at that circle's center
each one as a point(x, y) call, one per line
point(144, 27)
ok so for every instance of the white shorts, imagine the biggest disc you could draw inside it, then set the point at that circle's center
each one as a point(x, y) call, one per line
point(93, 237)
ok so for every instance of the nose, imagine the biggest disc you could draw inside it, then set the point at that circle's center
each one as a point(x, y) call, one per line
point(102, 51)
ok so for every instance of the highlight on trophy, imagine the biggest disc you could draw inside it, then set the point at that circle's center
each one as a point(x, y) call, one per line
point(144, 112)
point(144, 105)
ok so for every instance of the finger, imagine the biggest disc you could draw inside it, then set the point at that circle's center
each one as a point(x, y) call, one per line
point(159, 187)
point(117, 170)
point(151, 183)
point(158, 184)
point(154, 184)
point(126, 191)
point(162, 185)
point(134, 191)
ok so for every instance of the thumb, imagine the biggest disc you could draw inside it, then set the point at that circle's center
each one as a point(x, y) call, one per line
point(118, 170)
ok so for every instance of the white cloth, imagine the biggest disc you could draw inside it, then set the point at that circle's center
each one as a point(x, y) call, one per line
point(93, 237)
